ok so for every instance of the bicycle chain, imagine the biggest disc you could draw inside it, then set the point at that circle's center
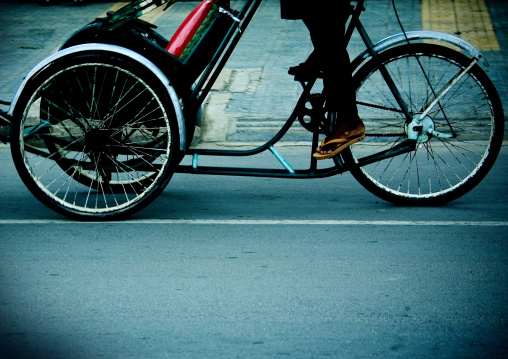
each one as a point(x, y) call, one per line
point(315, 112)
point(378, 107)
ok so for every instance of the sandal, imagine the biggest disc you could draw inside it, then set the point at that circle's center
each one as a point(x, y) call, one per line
point(340, 143)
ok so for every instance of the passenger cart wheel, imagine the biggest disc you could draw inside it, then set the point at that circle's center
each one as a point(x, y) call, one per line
point(95, 136)
point(457, 141)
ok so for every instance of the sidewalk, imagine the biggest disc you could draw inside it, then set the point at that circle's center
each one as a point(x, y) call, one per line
point(271, 45)
point(254, 95)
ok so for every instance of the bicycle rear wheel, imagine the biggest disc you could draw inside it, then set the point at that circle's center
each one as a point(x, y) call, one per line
point(95, 136)
point(469, 118)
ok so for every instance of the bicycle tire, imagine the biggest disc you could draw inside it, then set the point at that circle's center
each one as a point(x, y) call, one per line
point(439, 170)
point(95, 136)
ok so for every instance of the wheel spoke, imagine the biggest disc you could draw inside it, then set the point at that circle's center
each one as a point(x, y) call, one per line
point(467, 111)
point(106, 140)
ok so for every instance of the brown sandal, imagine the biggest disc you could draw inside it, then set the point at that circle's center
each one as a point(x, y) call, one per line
point(341, 144)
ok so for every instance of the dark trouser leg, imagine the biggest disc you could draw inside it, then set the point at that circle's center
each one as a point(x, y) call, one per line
point(330, 54)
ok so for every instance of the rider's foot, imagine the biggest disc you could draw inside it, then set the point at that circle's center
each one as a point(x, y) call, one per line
point(304, 70)
point(344, 136)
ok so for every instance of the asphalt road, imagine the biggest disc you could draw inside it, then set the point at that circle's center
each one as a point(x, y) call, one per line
point(222, 267)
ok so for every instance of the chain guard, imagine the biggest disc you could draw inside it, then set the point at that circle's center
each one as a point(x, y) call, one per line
point(313, 117)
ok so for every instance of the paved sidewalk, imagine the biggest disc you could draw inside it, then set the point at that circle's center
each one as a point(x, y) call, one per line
point(254, 95)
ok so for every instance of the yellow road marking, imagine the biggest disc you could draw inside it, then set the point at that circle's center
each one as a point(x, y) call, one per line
point(468, 19)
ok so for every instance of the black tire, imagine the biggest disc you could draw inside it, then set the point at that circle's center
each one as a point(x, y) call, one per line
point(95, 136)
point(470, 116)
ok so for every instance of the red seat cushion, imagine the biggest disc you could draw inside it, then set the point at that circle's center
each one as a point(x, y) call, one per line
point(192, 29)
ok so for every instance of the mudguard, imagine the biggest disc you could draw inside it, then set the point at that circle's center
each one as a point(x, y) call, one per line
point(117, 50)
point(412, 36)
point(138, 37)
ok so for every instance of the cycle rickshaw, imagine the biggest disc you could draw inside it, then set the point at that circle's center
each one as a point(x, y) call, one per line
point(99, 128)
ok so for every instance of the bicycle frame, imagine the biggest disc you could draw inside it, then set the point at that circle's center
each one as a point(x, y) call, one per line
point(211, 74)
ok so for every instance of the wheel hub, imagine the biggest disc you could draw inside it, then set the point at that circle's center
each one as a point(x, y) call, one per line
point(97, 140)
point(419, 129)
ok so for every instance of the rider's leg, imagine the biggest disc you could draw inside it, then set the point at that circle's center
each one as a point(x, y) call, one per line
point(331, 56)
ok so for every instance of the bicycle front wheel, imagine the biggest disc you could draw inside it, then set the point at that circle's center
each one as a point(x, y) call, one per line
point(460, 137)
point(95, 136)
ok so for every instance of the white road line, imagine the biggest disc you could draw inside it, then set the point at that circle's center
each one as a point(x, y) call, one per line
point(254, 222)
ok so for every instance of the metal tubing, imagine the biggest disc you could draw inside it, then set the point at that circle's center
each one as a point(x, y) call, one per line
point(223, 53)
point(404, 147)
point(401, 148)
point(258, 172)
point(282, 160)
point(383, 70)
point(301, 102)
point(355, 15)
point(447, 88)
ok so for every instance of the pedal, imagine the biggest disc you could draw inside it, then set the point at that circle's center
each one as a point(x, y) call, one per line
point(304, 73)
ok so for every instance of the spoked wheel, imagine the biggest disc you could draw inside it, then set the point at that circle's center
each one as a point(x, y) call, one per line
point(95, 136)
point(458, 140)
